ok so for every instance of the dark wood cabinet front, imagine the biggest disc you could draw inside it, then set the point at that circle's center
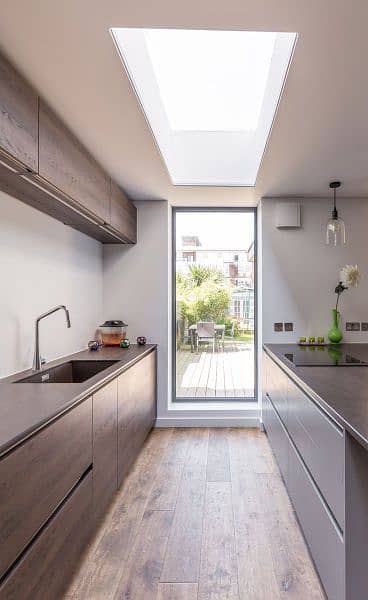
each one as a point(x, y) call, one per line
point(45, 569)
point(105, 411)
point(136, 410)
point(66, 164)
point(123, 214)
point(37, 475)
point(18, 119)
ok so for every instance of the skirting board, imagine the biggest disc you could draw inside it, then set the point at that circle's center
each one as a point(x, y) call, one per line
point(208, 422)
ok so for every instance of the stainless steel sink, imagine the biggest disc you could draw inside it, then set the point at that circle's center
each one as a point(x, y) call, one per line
point(74, 371)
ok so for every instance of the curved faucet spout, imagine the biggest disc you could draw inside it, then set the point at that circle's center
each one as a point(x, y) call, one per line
point(37, 363)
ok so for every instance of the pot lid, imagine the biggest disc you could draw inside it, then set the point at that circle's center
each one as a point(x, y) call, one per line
point(115, 323)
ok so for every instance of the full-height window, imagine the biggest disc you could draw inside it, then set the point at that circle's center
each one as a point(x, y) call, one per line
point(214, 306)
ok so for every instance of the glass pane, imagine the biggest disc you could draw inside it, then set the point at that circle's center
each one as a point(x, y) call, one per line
point(215, 305)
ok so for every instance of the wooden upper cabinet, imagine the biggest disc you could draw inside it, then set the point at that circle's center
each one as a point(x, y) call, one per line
point(18, 119)
point(123, 214)
point(66, 164)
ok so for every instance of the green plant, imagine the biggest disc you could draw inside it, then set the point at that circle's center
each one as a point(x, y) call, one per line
point(202, 295)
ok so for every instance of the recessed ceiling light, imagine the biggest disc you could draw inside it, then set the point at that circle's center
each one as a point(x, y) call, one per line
point(209, 97)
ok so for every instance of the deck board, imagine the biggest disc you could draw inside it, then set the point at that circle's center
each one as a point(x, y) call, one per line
point(226, 373)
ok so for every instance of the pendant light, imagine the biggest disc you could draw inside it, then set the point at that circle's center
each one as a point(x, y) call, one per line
point(335, 232)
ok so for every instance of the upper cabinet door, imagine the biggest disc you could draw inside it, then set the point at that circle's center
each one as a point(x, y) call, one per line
point(18, 119)
point(67, 165)
point(123, 214)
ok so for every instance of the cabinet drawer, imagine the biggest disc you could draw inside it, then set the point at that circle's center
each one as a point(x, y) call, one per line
point(321, 444)
point(277, 388)
point(276, 436)
point(37, 475)
point(320, 531)
point(45, 569)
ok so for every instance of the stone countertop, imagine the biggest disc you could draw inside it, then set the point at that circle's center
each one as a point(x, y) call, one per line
point(26, 407)
point(341, 391)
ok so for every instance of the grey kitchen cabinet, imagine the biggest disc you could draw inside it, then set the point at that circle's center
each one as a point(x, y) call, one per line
point(105, 413)
point(323, 536)
point(321, 443)
point(18, 120)
point(309, 449)
point(136, 410)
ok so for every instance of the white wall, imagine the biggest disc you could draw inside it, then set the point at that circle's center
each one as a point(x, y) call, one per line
point(136, 286)
point(44, 263)
point(299, 272)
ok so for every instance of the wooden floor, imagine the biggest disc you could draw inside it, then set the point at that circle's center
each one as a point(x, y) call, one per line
point(227, 373)
point(203, 515)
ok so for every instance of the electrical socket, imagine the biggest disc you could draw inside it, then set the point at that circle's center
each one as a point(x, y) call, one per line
point(352, 326)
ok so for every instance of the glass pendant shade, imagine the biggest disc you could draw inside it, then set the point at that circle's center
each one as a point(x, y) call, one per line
point(335, 232)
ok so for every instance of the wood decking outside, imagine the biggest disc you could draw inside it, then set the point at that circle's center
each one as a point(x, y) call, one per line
point(226, 373)
point(203, 515)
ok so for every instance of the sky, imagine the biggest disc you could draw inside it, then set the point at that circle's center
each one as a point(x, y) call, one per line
point(217, 230)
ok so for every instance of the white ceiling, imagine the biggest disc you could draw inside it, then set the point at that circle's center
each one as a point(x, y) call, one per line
point(321, 129)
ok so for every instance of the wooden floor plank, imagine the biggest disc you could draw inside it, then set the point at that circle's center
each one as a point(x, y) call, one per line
point(165, 491)
point(177, 591)
point(218, 573)
point(273, 560)
point(142, 573)
point(218, 461)
point(183, 551)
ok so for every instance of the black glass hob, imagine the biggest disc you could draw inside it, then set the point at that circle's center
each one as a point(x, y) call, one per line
point(323, 356)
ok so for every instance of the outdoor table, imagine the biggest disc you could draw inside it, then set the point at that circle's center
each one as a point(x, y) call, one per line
point(193, 330)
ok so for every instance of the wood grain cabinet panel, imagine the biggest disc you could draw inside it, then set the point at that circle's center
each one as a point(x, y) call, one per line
point(66, 164)
point(123, 214)
point(18, 119)
point(105, 413)
point(45, 569)
point(136, 410)
point(36, 476)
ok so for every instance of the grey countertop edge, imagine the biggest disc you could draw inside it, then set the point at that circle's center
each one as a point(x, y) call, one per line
point(114, 372)
point(325, 406)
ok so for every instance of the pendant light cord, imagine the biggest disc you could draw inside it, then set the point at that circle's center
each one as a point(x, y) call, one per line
point(334, 212)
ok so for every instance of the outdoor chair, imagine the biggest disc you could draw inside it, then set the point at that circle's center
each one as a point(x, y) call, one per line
point(206, 333)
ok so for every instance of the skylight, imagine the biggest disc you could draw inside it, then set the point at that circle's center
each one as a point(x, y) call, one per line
point(209, 97)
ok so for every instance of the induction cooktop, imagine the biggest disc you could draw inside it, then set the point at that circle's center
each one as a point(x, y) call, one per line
point(323, 356)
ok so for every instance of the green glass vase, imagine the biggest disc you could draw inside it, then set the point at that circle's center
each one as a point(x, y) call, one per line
point(335, 333)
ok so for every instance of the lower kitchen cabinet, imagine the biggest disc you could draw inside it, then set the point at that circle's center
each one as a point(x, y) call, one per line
point(105, 421)
point(56, 485)
point(44, 570)
point(38, 474)
point(136, 410)
point(309, 449)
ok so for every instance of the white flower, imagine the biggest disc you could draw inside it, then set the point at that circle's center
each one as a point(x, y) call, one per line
point(350, 276)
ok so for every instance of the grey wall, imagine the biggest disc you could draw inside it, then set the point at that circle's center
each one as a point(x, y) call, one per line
point(136, 286)
point(44, 263)
point(299, 272)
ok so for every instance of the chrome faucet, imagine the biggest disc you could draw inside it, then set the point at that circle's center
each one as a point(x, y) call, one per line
point(38, 361)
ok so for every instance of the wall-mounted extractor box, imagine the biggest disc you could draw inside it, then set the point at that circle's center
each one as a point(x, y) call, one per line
point(287, 215)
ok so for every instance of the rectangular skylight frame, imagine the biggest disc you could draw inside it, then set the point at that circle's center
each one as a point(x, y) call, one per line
point(210, 157)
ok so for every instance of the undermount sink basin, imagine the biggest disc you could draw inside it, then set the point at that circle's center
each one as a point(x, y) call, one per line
point(74, 371)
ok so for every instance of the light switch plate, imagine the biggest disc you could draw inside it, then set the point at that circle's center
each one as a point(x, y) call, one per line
point(352, 326)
